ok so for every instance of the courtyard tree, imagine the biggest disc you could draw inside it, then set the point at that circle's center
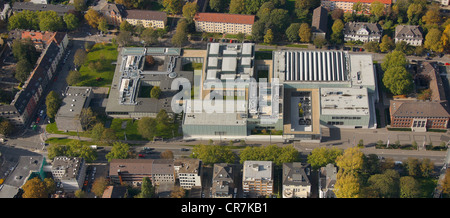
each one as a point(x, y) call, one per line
point(398, 80)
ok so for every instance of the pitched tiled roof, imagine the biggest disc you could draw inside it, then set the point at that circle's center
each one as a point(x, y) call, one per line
point(320, 19)
point(417, 109)
point(408, 32)
point(146, 15)
point(225, 18)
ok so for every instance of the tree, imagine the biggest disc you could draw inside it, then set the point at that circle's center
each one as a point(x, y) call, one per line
point(93, 18)
point(103, 25)
point(351, 161)
point(433, 40)
point(71, 21)
point(125, 26)
point(347, 186)
point(73, 78)
point(99, 186)
point(273, 153)
point(432, 16)
point(149, 36)
point(372, 46)
point(23, 49)
point(322, 156)
point(34, 188)
point(217, 5)
point(337, 14)
point(319, 41)
point(97, 131)
point(292, 32)
point(50, 21)
point(124, 38)
point(155, 92)
point(426, 168)
point(87, 118)
point(237, 6)
point(147, 188)
point(414, 13)
point(80, 5)
point(258, 30)
point(173, 6)
point(386, 185)
point(337, 32)
point(377, 9)
point(446, 182)
point(108, 136)
point(177, 192)
point(23, 70)
point(305, 33)
point(211, 154)
point(79, 57)
point(387, 44)
point(6, 128)
point(168, 154)
point(180, 36)
point(409, 187)
point(119, 151)
point(268, 38)
point(53, 102)
point(146, 127)
point(189, 11)
point(394, 59)
point(398, 80)
point(24, 20)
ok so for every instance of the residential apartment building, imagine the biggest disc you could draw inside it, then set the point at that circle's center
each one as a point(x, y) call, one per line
point(410, 34)
point(132, 171)
point(59, 9)
point(327, 180)
point(223, 181)
point(224, 23)
point(69, 171)
point(296, 180)
point(189, 172)
point(362, 31)
point(155, 19)
point(115, 14)
point(257, 178)
point(347, 5)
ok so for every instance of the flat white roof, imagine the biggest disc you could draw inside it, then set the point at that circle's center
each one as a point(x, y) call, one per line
point(229, 64)
point(214, 48)
point(344, 101)
point(257, 170)
point(361, 70)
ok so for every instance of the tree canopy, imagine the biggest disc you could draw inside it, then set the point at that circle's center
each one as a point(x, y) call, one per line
point(278, 155)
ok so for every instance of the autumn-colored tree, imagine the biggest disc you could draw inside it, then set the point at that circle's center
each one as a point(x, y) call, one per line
point(351, 161)
point(93, 18)
point(99, 186)
point(268, 38)
point(34, 188)
point(433, 40)
point(305, 33)
point(446, 183)
point(347, 186)
point(177, 192)
point(168, 154)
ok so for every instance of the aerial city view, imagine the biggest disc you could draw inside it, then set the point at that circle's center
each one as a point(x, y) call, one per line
point(229, 99)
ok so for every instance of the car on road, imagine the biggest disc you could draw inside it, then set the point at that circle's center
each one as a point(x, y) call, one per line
point(184, 149)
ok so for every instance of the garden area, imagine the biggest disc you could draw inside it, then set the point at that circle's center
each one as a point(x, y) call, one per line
point(98, 70)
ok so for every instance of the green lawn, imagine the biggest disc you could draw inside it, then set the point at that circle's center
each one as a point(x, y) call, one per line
point(131, 129)
point(98, 70)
